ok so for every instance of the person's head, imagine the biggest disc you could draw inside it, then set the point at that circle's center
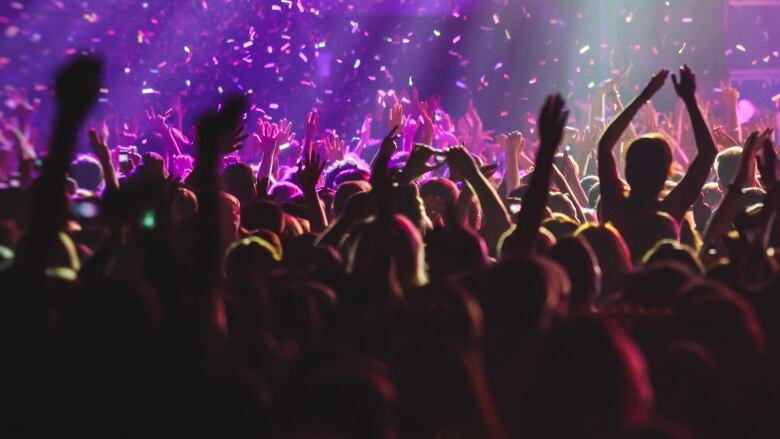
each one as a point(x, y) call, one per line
point(612, 254)
point(645, 233)
point(184, 206)
point(723, 322)
point(561, 226)
point(249, 257)
point(588, 182)
point(87, 172)
point(516, 313)
point(658, 285)
point(239, 180)
point(561, 203)
point(410, 205)
point(262, 215)
point(444, 312)
point(589, 382)
point(726, 165)
point(594, 194)
point(438, 194)
point(153, 166)
point(670, 250)
point(343, 170)
point(407, 251)
point(284, 191)
point(345, 191)
point(578, 259)
point(648, 164)
point(712, 194)
point(450, 251)
point(230, 212)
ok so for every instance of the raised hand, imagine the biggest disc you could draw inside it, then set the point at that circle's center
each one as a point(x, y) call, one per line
point(158, 122)
point(99, 147)
point(656, 83)
point(334, 147)
point(427, 123)
point(461, 162)
point(286, 135)
point(309, 172)
point(722, 138)
point(77, 88)
point(552, 121)
point(396, 116)
point(221, 133)
point(312, 122)
point(182, 166)
point(515, 143)
point(417, 164)
point(389, 145)
point(730, 94)
point(267, 136)
point(685, 85)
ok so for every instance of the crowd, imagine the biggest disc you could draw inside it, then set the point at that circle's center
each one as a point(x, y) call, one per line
point(609, 273)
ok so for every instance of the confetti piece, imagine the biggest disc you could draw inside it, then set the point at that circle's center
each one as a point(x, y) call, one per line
point(584, 49)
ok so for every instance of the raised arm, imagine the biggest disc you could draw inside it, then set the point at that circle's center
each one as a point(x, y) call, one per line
point(730, 101)
point(685, 193)
point(267, 140)
point(219, 133)
point(552, 120)
point(76, 92)
point(309, 173)
point(611, 186)
point(496, 218)
point(513, 145)
point(721, 220)
point(103, 154)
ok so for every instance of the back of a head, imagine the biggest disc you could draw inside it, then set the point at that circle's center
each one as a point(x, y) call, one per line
point(345, 191)
point(184, 206)
point(239, 180)
point(410, 205)
point(87, 172)
point(648, 163)
point(561, 226)
point(611, 252)
point(561, 203)
point(262, 215)
point(521, 298)
point(727, 164)
point(450, 251)
point(643, 235)
point(723, 322)
point(249, 257)
point(576, 256)
point(444, 312)
point(671, 250)
point(657, 285)
point(406, 251)
point(590, 374)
